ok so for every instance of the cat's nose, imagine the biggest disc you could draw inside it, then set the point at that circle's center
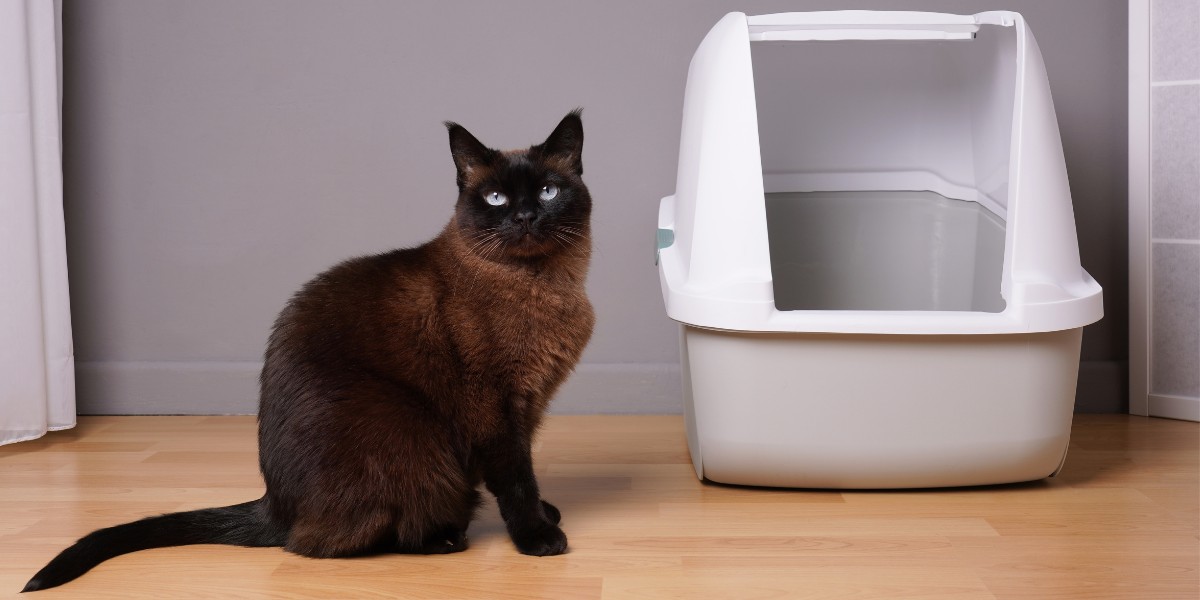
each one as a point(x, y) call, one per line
point(525, 218)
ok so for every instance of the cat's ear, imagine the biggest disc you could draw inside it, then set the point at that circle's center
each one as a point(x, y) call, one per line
point(469, 154)
point(566, 143)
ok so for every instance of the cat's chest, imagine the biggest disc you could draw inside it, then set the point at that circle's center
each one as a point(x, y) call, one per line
point(542, 319)
point(528, 335)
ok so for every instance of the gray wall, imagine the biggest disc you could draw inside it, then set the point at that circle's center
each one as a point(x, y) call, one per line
point(220, 153)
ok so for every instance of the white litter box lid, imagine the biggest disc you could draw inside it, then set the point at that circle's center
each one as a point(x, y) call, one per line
point(713, 257)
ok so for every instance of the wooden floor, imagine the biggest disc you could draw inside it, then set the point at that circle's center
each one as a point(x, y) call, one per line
point(1119, 522)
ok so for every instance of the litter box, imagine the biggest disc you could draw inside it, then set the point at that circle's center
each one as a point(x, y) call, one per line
point(871, 251)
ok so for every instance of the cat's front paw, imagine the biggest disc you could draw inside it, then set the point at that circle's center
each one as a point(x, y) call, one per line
point(551, 512)
point(544, 540)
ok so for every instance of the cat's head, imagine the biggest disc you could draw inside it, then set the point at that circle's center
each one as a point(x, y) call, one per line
point(522, 204)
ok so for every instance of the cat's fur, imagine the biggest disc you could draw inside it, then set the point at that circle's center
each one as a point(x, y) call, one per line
point(395, 384)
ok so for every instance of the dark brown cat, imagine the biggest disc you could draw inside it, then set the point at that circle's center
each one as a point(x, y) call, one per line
point(395, 384)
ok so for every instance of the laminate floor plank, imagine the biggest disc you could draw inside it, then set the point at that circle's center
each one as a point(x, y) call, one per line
point(1121, 521)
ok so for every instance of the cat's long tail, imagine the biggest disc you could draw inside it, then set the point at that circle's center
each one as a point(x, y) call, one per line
point(243, 524)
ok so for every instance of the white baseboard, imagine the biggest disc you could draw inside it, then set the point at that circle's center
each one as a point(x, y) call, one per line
point(231, 388)
point(1183, 408)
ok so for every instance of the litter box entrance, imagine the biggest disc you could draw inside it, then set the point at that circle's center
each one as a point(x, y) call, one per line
point(885, 165)
point(883, 251)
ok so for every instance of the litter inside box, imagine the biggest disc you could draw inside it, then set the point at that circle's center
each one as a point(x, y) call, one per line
point(877, 250)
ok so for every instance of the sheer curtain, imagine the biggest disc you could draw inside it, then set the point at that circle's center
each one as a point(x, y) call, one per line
point(37, 373)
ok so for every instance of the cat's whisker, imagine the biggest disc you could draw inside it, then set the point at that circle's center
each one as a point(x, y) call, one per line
point(572, 237)
point(562, 242)
point(484, 237)
point(482, 248)
point(497, 244)
point(478, 252)
point(566, 242)
point(571, 230)
point(494, 244)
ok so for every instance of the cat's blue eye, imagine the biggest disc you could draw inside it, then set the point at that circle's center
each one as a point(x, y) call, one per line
point(549, 192)
point(495, 198)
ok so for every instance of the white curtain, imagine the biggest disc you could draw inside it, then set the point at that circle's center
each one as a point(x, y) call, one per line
point(37, 372)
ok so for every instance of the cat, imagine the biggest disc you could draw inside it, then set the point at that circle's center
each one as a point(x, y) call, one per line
point(394, 384)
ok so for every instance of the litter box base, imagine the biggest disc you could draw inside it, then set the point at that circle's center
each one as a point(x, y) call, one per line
point(846, 411)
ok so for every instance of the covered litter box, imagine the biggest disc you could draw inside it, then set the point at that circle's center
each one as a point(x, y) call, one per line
point(871, 250)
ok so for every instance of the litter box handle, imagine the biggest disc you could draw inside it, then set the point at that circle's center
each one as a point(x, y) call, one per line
point(665, 236)
point(864, 25)
point(663, 239)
